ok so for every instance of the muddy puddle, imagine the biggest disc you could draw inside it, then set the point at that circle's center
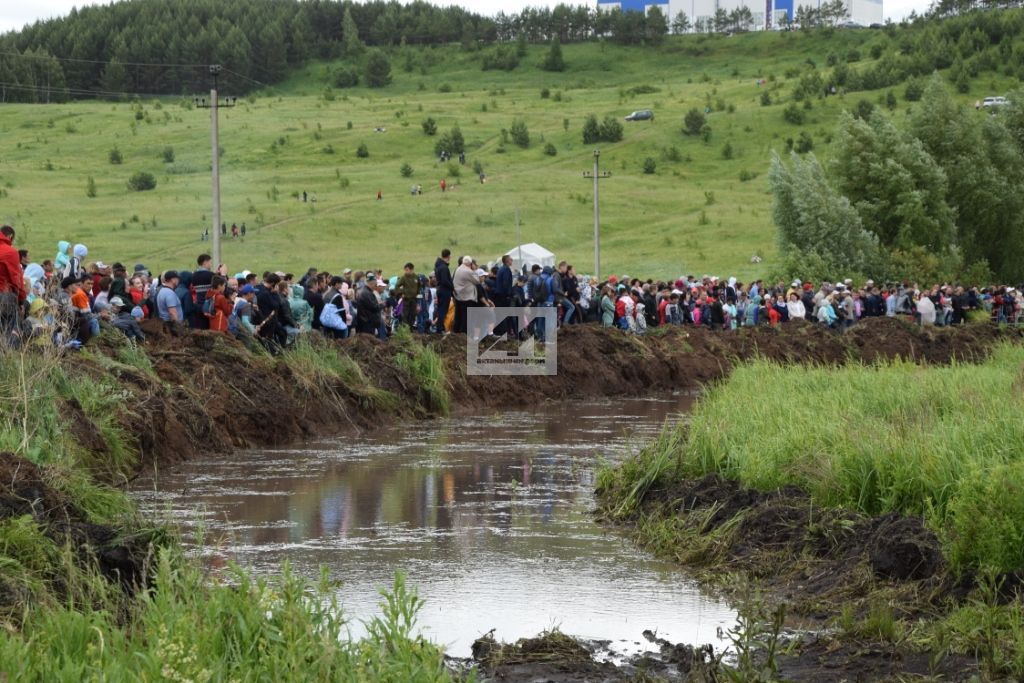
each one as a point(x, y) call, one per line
point(489, 516)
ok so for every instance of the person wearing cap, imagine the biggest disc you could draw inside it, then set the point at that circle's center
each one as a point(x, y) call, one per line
point(168, 305)
point(123, 320)
point(240, 322)
point(368, 307)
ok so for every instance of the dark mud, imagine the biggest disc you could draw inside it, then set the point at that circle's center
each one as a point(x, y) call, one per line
point(818, 562)
point(26, 491)
point(208, 394)
point(553, 656)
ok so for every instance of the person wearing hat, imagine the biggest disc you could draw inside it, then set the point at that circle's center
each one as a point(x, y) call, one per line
point(168, 305)
point(240, 323)
point(368, 308)
point(122, 319)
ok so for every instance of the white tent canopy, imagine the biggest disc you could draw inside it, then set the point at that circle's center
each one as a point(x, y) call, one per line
point(530, 254)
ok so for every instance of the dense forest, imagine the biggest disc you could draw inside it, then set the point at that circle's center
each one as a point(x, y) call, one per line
point(162, 46)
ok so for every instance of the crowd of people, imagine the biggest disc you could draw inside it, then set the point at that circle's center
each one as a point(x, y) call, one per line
point(67, 299)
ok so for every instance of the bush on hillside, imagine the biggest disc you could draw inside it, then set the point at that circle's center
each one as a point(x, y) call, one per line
point(429, 126)
point(142, 181)
point(611, 129)
point(346, 77)
point(362, 151)
point(520, 133)
point(378, 69)
point(115, 156)
point(693, 122)
point(451, 142)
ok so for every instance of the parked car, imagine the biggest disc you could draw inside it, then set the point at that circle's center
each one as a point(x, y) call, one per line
point(641, 115)
point(989, 102)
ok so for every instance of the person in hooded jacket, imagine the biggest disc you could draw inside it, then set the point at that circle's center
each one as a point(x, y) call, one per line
point(60, 261)
point(75, 267)
point(13, 294)
point(445, 288)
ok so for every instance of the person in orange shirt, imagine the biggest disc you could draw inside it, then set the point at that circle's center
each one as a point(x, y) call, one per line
point(79, 313)
point(220, 307)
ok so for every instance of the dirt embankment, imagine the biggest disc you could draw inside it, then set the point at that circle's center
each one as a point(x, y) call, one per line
point(206, 393)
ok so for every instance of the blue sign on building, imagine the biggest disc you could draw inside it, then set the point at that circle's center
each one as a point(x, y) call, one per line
point(632, 5)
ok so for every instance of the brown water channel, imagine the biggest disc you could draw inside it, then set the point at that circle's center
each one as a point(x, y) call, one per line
point(490, 516)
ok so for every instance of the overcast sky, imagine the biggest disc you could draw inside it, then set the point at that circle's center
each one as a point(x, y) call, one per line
point(14, 13)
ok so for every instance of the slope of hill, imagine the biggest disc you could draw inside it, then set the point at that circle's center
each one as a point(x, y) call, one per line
point(705, 209)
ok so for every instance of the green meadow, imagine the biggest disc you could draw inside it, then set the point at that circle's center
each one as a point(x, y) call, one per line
point(705, 209)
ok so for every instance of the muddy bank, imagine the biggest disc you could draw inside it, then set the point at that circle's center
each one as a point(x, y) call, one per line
point(49, 541)
point(829, 567)
point(205, 392)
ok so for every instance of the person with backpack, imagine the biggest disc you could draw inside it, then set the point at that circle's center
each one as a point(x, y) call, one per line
point(332, 316)
point(216, 307)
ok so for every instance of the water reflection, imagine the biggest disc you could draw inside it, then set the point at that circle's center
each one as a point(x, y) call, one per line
point(490, 516)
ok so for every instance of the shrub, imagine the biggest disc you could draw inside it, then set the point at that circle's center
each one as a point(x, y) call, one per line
point(451, 142)
point(168, 155)
point(550, 150)
point(746, 176)
point(727, 151)
point(90, 187)
point(913, 91)
point(591, 131)
point(362, 152)
point(553, 60)
point(429, 126)
point(378, 69)
point(142, 181)
point(863, 110)
point(502, 58)
point(853, 56)
point(406, 170)
point(804, 143)
point(346, 77)
point(793, 114)
point(672, 154)
point(327, 149)
point(520, 133)
point(611, 129)
point(444, 87)
point(478, 167)
point(705, 133)
point(693, 122)
point(650, 165)
point(115, 156)
point(545, 93)
point(766, 99)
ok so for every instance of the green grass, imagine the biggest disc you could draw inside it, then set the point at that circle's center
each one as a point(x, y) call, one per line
point(945, 443)
point(189, 628)
point(693, 215)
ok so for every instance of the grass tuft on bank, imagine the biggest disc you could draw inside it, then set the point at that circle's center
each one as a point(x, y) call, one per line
point(943, 443)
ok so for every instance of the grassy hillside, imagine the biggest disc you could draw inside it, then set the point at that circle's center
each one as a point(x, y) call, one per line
point(700, 212)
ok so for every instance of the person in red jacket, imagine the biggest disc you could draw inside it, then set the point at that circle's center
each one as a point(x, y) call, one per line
point(12, 287)
point(221, 306)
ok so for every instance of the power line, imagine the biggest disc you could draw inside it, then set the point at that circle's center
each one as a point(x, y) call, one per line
point(100, 61)
point(78, 91)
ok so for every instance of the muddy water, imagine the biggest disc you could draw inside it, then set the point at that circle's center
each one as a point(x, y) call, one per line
point(490, 517)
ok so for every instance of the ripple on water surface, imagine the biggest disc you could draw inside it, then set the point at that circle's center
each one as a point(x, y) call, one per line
point(490, 517)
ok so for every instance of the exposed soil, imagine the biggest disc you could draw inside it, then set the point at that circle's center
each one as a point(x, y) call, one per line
point(25, 490)
point(819, 561)
point(553, 656)
point(210, 394)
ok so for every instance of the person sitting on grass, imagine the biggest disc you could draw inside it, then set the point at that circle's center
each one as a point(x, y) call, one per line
point(121, 318)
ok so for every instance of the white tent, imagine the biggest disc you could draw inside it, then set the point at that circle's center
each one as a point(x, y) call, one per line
point(530, 254)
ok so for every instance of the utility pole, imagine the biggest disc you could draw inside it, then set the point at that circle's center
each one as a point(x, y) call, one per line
point(213, 106)
point(597, 175)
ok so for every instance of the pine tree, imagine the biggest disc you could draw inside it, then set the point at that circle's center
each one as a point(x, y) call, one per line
point(554, 61)
point(378, 69)
point(351, 45)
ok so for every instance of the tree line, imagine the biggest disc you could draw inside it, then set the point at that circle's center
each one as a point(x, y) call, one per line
point(163, 46)
point(941, 200)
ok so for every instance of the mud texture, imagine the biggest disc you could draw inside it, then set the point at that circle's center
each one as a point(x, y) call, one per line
point(209, 393)
point(553, 656)
point(25, 490)
point(819, 561)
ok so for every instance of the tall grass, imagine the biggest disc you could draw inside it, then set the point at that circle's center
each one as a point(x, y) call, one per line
point(945, 443)
point(324, 370)
point(188, 629)
point(426, 368)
